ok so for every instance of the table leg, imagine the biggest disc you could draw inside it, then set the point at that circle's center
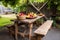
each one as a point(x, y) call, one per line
point(16, 31)
point(30, 34)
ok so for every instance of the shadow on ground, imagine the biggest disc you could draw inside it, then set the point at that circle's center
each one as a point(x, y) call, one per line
point(53, 34)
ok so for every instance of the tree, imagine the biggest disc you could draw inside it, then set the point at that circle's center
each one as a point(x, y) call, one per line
point(53, 5)
point(18, 4)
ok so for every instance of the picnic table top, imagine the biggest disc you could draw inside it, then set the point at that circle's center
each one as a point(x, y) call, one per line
point(31, 20)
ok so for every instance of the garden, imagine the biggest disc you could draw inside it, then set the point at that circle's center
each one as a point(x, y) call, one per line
point(20, 17)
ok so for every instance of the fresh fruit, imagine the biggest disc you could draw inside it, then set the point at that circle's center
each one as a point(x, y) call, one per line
point(21, 14)
point(31, 15)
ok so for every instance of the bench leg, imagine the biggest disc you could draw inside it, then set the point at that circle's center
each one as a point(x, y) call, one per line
point(39, 37)
point(34, 38)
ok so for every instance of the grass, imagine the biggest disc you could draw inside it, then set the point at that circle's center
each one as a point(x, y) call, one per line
point(4, 21)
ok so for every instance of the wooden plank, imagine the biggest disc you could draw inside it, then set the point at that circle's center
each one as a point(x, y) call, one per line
point(16, 31)
point(22, 34)
point(31, 20)
point(30, 33)
point(34, 6)
point(40, 7)
point(43, 29)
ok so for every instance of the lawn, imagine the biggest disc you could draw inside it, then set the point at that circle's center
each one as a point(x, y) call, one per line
point(5, 21)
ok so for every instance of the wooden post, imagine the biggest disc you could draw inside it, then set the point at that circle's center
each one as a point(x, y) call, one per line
point(30, 34)
point(16, 31)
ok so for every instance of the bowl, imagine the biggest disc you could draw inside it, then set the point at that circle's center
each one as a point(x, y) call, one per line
point(22, 17)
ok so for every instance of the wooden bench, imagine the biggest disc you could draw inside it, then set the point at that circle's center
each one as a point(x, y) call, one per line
point(43, 29)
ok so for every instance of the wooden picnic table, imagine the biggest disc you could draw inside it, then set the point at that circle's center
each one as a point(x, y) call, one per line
point(30, 23)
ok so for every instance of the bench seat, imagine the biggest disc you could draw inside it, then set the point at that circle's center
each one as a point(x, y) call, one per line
point(43, 29)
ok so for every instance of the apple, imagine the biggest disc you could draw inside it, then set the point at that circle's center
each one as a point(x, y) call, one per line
point(21, 14)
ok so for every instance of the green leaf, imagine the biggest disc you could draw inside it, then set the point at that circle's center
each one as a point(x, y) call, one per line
point(58, 8)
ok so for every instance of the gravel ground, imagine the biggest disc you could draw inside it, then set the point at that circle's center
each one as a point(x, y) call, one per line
point(53, 34)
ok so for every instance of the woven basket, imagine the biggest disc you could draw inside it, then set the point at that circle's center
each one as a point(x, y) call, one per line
point(22, 17)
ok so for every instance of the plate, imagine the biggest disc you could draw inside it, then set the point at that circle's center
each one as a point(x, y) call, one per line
point(30, 17)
